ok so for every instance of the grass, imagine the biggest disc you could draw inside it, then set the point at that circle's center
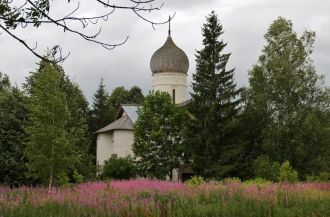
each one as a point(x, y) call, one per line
point(148, 198)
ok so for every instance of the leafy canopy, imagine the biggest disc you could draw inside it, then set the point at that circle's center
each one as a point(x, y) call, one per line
point(158, 136)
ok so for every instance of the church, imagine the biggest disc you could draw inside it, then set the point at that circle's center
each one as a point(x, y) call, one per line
point(169, 66)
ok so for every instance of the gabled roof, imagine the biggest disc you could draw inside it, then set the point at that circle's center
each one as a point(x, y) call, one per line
point(123, 123)
point(130, 111)
point(126, 119)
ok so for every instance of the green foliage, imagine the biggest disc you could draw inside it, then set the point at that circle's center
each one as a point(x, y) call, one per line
point(287, 173)
point(322, 177)
point(195, 181)
point(213, 144)
point(231, 180)
point(102, 113)
point(158, 136)
point(257, 181)
point(4, 82)
point(135, 95)
point(13, 15)
point(119, 96)
point(77, 127)
point(263, 167)
point(78, 178)
point(119, 168)
point(206, 200)
point(62, 179)
point(287, 107)
point(13, 117)
point(49, 148)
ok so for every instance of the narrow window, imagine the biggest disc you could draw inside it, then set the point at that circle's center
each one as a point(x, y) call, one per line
point(173, 95)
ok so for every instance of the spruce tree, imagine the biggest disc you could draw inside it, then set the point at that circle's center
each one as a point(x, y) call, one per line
point(215, 105)
point(102, 112)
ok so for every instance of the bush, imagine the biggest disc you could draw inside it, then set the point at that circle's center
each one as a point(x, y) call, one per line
point(119, 168)
point(231, 180)
point(263, 167)
point(257, 181)
point(77, 177)
point(195, 181)
point(322, 177)
point(287, 173)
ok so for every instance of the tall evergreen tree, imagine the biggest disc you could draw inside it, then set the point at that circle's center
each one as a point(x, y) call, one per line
point(102, 112)
point(215, 105)
point(49, 149)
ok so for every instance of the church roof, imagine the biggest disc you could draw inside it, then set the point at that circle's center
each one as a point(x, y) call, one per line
point(169, 58)
point(123, 123)
point(130, 110)
point(126, 119)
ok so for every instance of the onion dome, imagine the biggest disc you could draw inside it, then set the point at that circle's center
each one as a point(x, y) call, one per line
point(169, 58)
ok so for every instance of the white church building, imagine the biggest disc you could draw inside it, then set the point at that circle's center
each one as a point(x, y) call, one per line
point(169, 66)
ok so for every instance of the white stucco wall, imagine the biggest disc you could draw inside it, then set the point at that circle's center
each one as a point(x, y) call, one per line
point(167, 81)
point(104, 147)
point(114, 142)
point(123, 141)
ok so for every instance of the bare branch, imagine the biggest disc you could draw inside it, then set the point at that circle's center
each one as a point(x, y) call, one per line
point(84, 36)
point(22, 15)
point(32, 50)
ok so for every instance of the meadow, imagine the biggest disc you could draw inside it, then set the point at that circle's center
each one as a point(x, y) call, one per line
point(151, 198)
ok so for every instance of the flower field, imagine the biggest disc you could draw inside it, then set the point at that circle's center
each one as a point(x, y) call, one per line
point(149, 198)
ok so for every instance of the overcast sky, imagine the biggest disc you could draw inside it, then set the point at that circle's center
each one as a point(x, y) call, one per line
point(244, 21)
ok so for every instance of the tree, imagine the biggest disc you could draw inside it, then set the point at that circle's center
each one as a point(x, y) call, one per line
point(119, 168)
point(287, 103)
point(135, 95)
point(36, 13)
point(49, 149)
point(119, 96)
point(4, 82)
point(215, 106)
point(12, 121)
point(158, 136)
point(77, 127)
point(102, 113)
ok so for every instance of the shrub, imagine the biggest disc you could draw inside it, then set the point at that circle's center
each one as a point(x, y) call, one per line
point(287, 173)
point(257, 181)
point(231, 180)
point(322, 177)
point(119, 168)
point(77, 177)
point(263, 167)
point(195, 181)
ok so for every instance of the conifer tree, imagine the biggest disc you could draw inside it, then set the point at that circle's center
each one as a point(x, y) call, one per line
point(215, 105)
point(102, 112)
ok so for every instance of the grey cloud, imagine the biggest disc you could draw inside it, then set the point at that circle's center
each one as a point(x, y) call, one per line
point(245, 23)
